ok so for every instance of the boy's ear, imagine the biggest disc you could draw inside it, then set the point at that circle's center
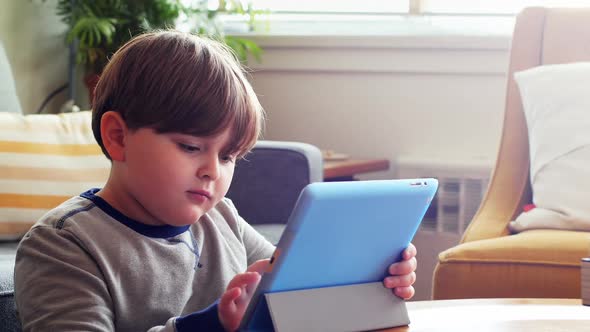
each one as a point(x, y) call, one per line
point(113, 131)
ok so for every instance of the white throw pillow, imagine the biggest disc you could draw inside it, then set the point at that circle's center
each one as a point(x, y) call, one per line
point(556, 102)
point(8, 97)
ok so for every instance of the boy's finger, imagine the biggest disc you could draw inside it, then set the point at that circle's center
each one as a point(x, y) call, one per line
point(246, 283)
point(405, 280)
point(228, 310)
point(404, 292)
point(403, 267)
point(227, 303)
point(251, 286)
point(409, 252)
point(259, 266)
point(244, 279)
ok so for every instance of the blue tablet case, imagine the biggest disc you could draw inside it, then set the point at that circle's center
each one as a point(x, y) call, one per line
point(342, 233)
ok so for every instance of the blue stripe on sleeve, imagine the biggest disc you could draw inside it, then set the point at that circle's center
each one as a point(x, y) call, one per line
point(204, 320)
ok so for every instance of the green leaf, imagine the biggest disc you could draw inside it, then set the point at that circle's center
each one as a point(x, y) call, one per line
point(242, 47)
point(92, 30)
point(107, 29)
point(252, 48)
point(102, 26)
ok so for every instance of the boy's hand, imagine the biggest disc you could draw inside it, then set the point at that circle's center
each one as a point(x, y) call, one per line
point(234, 301)
point(402, 275)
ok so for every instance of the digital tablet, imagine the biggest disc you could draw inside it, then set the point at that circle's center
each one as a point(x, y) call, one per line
point(341, 233)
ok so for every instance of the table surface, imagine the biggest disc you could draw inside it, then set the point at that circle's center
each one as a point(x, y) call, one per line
point(351, 167)
point(497, 315)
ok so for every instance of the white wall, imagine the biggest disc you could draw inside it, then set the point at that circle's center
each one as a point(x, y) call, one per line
point(385, 96)
point(33, 39)
point(369, 96)
point(434, 98)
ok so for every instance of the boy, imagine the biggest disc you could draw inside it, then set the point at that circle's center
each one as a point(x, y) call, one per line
point(159, 244)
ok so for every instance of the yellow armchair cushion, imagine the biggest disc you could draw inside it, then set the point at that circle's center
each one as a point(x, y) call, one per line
point(529, 264)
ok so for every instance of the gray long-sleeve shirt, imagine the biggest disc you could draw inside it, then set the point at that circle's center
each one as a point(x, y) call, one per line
point(85, 266)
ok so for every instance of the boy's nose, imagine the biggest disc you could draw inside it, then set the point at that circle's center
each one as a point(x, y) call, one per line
point(209, 168)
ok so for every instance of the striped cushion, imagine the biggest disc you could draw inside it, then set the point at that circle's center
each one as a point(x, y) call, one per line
point(44, 160)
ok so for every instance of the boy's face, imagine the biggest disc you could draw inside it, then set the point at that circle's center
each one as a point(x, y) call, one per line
point(174, 179)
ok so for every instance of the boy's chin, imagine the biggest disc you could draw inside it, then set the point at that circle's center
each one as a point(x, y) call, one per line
point(192, 218)
point(184, 222)
point(185, 219)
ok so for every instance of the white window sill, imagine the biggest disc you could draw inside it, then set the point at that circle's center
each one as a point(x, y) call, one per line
point(380, 31)
point(402, 44)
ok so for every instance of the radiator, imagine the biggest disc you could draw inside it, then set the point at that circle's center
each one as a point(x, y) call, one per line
point(462, 185)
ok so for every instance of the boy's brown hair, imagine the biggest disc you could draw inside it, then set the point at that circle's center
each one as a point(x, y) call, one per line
point(172, 81)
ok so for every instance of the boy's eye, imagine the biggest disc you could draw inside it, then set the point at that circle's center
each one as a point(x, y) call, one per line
point(188, 148)
point(228, 159)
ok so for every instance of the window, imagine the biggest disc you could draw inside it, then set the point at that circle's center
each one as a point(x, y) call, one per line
point(379, 17)
point(497, 7)
point(491, 7)
point(331, 6)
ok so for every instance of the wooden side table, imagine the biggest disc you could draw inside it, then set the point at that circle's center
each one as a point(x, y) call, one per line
point(346, 169)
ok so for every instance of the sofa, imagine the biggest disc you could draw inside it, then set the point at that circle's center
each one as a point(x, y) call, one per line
point(265, 187)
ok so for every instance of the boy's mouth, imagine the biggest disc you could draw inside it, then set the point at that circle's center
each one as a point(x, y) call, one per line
point(198, 193)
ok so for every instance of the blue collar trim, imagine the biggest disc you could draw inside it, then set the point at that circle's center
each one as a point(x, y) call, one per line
point(163, 232)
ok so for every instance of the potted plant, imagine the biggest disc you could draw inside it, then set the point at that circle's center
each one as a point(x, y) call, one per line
point(97, 28)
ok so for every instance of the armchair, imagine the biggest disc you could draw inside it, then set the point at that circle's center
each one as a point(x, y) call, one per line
point(489, 262)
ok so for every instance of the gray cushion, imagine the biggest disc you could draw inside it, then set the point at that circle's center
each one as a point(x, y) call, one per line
point(272, 232)
point(10, 322)
point(268, 181)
